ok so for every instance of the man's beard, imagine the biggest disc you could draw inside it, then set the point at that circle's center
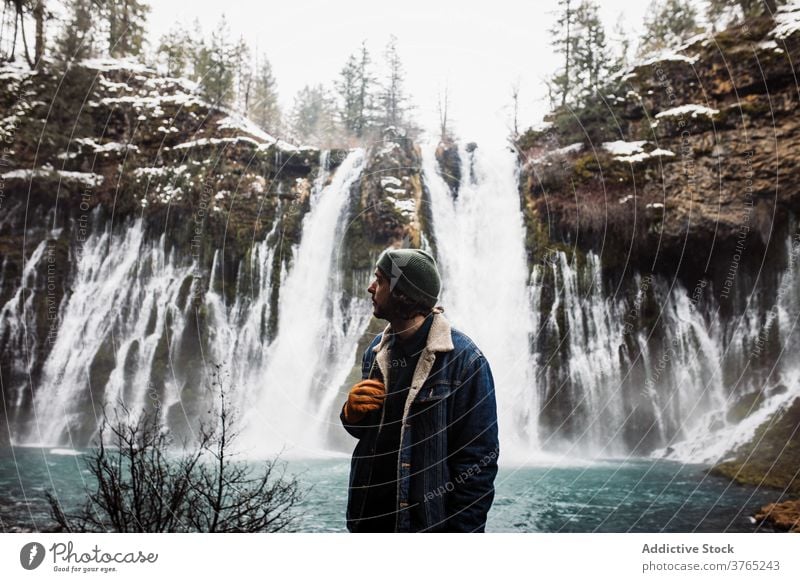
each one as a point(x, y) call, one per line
point(394, 310)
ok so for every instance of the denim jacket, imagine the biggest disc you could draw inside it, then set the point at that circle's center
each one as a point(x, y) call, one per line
point(449, 445)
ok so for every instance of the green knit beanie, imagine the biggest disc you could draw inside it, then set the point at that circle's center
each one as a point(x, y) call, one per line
point(413, 272)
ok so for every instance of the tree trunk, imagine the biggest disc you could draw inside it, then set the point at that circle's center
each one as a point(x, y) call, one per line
point(38, 15)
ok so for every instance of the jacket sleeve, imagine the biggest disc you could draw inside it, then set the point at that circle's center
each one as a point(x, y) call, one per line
point(473, 448)
point(359, 428)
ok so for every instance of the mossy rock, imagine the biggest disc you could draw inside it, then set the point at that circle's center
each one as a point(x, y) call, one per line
point(772, 456)
point(744, 406)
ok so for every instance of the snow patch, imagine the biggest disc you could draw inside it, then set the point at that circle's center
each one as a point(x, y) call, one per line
point(693, 110)
point(668, 55)
point(86, 178)
point(390, 181)
point(108, 64)
point(239, 123)
point(623, 148)
point(14, 71)
point(404, 206)
point(787, 20)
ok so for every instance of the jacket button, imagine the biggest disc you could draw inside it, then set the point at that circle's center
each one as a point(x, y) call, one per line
point(403, 504)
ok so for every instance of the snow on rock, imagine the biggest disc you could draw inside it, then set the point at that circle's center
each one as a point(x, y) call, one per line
point(624, 148)
point(86, 178)
point(787, 20)
point(704, 38)
point(157, 172)
point(570, 149)
point(693, 110)
point(542, 126)
point(633, 151)
point(644, 156)
point(668, 55)
point(205, 141)
point(108, 64)
point(404, 206)
point(14, 71)
point(390, 181)
point(239, 123)
point(104, 148)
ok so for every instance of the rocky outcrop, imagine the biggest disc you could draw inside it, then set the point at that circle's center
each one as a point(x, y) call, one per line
point(389, 209)
point(679, 177)
point(780, 516)
point(772, 457)
point(689, 150)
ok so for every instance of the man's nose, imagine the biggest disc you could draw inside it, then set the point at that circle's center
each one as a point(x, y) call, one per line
point(371, 288)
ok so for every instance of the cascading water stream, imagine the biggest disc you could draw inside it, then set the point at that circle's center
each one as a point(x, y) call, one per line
point(591, 385)
point(286, 405)
point(124, 291)
point(481, 255)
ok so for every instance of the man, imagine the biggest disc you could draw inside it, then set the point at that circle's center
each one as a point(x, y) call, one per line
point(424, 413)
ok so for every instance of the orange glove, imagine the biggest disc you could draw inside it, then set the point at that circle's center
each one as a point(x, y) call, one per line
point(364, 397)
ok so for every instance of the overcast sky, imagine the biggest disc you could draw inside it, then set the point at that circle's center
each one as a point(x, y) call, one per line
point(477, 48)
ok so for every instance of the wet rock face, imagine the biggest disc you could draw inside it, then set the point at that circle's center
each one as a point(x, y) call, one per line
point(450, 165)
point(780, 516)
point(694, 158)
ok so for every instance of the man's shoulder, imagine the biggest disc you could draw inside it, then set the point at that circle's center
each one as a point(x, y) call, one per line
point(464, 345)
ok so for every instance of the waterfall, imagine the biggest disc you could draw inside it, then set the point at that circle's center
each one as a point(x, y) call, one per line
point(290, 396)
point(121, 337)
point(619, 391)
point(124, 303)
point(17, 327)
point(587, 372)
point(711, 439)
point(480, 251)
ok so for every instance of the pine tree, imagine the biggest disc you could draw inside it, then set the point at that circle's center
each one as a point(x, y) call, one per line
point(393, 97)
point(76, 39)
point(621, 39)
point(592, 57)
point(563, 42)
point(215, 65)
point(243, 74)
point(348, 89)
point(666, 24)
point(264, 109)
point(126, 21)
point(312, 116)
point(366, 84)
point(175, 51)
point(725, 12)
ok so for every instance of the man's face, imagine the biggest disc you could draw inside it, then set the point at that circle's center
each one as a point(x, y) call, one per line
point(381, 299)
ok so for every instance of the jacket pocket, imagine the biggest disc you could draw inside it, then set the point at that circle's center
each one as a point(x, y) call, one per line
point(433, 392)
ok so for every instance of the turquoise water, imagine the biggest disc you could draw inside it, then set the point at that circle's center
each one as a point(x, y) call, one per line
point(639, 495)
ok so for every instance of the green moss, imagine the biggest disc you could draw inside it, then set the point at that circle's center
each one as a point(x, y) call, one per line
point(772, 456)
point(744, 406)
